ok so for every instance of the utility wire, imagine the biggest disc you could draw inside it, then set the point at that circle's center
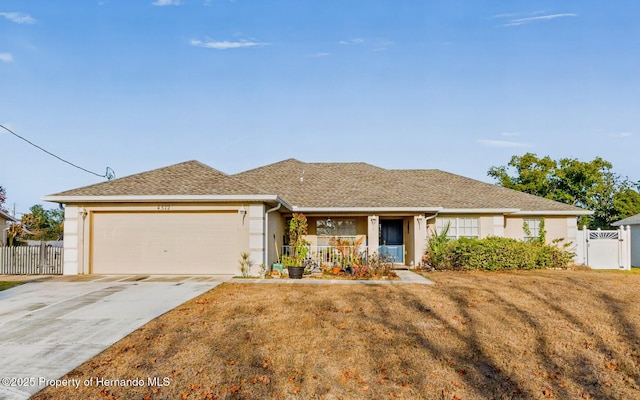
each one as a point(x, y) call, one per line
point(109, 174)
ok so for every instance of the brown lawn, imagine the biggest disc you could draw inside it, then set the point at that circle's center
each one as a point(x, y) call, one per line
point(530, 335)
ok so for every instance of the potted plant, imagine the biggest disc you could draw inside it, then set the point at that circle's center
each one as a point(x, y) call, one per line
point(298, 245)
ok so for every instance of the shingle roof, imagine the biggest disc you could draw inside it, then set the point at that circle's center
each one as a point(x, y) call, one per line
point(342, 185)
point(187, 178)
point(632, 220)
point(326, 185)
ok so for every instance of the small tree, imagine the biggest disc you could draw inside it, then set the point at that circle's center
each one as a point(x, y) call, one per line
point(245, 264)
point(298, 226)
point(436, 247)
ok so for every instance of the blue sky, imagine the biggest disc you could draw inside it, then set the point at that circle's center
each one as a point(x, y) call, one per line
point(454, 85)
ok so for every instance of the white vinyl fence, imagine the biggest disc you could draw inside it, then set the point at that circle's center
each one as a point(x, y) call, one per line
point(604, 249)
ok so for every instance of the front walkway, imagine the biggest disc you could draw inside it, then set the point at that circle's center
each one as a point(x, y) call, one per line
point(406, 277)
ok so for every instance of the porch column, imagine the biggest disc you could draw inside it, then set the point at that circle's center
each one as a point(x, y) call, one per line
point(419, 238)
point(373, 222)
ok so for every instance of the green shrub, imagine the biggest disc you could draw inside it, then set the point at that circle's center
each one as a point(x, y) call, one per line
point(499, 254)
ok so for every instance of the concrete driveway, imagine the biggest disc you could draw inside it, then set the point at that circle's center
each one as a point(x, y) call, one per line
point(47, 328)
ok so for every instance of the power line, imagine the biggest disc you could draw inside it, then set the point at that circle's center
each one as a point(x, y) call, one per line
point(109, 174)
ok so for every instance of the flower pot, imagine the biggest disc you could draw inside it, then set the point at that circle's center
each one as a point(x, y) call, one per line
point(295, 272)
point(336, 270)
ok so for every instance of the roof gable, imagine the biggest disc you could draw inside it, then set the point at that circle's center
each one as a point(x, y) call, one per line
point(189, 178)
point(361, 185)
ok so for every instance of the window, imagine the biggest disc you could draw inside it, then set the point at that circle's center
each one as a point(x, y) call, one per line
point(531, 228)
point(328, 228)
point(458, 227)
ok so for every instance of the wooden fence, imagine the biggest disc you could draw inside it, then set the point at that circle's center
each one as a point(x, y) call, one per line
point(31, 260)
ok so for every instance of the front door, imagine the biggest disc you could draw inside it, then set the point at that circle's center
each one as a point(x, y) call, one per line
point(391, 239)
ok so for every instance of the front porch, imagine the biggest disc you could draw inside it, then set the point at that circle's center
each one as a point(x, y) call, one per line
point(341, 240)
point(330, 256)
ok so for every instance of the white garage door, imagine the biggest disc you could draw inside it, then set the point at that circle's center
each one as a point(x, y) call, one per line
point(166, 243)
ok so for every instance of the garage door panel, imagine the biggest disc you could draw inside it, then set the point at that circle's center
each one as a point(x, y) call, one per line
point(166, 243)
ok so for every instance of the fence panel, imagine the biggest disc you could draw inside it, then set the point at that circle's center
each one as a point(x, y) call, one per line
point(31, 260)
point(604, 249)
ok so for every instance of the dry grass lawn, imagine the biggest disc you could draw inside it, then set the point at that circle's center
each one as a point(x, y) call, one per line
point(529, 335)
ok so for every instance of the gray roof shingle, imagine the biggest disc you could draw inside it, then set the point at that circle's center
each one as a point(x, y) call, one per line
point(326, 185)
point(320, 185)
point(632, 220)
point(187, 178)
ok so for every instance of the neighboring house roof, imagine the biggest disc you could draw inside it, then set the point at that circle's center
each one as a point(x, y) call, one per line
point(632, 220)
point(6, 216)
point(321, 186)
point(361, 185)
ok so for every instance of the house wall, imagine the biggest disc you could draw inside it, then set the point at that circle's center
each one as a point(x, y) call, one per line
point(3, 231)
point(77, 227)
point(635, 246)
point(275, 232)
point(564, 228)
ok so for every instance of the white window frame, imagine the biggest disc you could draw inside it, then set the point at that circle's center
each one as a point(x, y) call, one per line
point(459, 227)
point(323, 239)
point(534, 228)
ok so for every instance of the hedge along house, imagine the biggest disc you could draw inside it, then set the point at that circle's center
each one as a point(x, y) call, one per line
point(192, 219)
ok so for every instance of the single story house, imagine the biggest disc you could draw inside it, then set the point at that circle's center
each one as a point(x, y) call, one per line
point(5, 220)
point(634, 223)
point(190, 218)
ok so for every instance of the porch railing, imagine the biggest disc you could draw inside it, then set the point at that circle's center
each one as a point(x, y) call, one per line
point(332, 255)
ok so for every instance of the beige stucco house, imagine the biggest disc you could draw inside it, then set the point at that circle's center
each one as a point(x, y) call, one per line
point(5, 220)
point(189, 218)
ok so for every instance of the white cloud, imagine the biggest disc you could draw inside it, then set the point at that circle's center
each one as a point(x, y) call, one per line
point(621, 135)
point(522, 21)
point(224, 45)
point(162, 3)
point(352, 41)
point(320, 54)
point(502, 143)
point(18, 17)
point(6, 57)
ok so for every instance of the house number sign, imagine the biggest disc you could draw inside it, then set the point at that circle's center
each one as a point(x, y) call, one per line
point(164, 207)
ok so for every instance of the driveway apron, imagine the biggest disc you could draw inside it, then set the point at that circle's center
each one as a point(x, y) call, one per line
point(49, 328)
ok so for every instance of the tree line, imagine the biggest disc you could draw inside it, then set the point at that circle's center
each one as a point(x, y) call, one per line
point(592, 185)
point(38, 224)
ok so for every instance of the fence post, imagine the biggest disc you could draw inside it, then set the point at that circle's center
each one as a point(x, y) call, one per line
point(625, 247)
point(43, 255)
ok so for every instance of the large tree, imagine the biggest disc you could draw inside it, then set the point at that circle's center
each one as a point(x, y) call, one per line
point(592, 185)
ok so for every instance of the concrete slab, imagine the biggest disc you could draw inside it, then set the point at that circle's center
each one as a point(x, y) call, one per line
point(47, 328)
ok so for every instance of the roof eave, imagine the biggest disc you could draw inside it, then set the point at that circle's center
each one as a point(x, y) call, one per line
point(168, 198)
point(479, 210)
point(554, 212)
point(366, 209)
point(7, 216)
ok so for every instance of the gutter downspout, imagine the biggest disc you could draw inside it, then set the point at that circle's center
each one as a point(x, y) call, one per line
point(265, 253)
